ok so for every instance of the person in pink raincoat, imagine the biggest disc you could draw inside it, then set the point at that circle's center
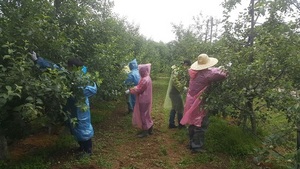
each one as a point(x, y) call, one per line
point(202, 75)
point(141, 117)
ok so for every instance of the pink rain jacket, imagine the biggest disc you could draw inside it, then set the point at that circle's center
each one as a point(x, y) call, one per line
point(199, 81)
point(141, 117)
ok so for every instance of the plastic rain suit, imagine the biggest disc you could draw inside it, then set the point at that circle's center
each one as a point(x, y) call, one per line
point(133, 79)
point(199, 81)
point(174, 100)
point(83, 129)
point(44, 64)
point(141, 117)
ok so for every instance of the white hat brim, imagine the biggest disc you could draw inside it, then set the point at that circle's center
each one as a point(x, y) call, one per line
point(211, 62)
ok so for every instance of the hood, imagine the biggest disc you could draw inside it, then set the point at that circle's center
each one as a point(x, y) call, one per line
point(133, 64)
point(144, 69)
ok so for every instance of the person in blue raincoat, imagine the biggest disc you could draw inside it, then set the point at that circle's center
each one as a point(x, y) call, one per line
point(44, 63)
point(132, 80)
point(82, 129)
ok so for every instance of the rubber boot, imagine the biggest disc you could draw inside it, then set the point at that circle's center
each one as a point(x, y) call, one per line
point(180, 126)
point(191, 134)
point(197, 141)
point(179, 117)
point(129, 108)
point(150, 130)
point(143, 134)
point(171, 119)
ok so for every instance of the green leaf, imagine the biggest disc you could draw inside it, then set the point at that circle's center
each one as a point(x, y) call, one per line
point(10, 51)
point(8, 88)
point(39, 101)
point(29, 98)
point(6, 57)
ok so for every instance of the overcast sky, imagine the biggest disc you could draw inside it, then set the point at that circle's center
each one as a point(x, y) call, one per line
point(154, 17)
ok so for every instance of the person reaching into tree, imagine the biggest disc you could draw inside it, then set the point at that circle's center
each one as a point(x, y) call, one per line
point(82, 129)
point(202, 75)
point(44, 63)
point(79, 120)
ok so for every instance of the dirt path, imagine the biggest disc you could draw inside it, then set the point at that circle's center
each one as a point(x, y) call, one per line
point(128, 151)
point(120, 147)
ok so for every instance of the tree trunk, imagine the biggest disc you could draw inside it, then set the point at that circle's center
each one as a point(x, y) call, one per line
point(206, 31)
point(242, 120)
point(251, 59)
point(253, 121)
point(211, 28)
point(251, 35)
point(252, 115)
point(57, 4)
point(3, 148)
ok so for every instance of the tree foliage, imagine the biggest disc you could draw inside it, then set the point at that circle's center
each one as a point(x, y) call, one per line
point(58, 30)
point(260, 51)
point(263, 57)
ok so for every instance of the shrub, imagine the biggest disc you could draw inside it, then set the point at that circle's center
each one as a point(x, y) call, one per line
point(224, 138)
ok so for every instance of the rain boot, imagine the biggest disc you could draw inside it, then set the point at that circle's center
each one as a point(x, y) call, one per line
point(179, 117)
point(129, 108)
point(150, 130)
point(171, 119)
point(197, 141)
point(143, 134)
point(180, 126)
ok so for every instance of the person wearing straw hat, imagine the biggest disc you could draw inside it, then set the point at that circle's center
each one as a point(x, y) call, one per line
point(202, 75)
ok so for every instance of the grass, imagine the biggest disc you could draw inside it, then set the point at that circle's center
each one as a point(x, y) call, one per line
point(229, 139)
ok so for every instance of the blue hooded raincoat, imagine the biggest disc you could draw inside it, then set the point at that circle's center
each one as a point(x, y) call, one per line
point(83, 129)
point(133, 79)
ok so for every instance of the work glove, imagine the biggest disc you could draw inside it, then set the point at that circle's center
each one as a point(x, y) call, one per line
point(224, 70)
point(127, 91)
point(33, 56)
point(222, 67)
point(185, 89)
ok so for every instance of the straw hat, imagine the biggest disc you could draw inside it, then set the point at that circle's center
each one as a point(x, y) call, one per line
point(204, 62)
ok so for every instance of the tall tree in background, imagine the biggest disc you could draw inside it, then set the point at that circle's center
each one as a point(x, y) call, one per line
point(199, 37)
point(260, 58)
point(206, 28)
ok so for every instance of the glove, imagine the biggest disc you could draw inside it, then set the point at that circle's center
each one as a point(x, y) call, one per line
point(222, 67)
point(229, 64)
point(185, 89)
point(33, 56)
point(127, 91)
